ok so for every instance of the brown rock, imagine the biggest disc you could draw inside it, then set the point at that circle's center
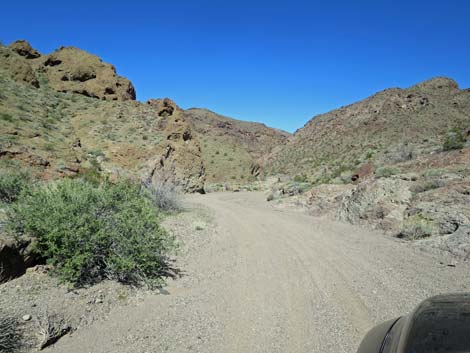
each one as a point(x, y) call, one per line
point(180, 161)
point(74, 70)
point(19, 69)
point(164, 107)
point(25, 49)
point(362, 172)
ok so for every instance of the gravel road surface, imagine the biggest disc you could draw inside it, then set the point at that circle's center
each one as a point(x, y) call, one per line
point(269, 280)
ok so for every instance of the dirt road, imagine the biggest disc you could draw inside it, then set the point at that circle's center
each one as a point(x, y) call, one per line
point(269, 280)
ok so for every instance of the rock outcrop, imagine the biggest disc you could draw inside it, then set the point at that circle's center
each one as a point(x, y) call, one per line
point(74, 70)
point(68, 69)
point(25, 49)
point(380, 202)
point(19, 69)
point(164, 107)
point(180, 161)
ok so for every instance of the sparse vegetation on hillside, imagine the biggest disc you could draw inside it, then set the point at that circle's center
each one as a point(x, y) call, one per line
point(455, 140)
point(90, 233)
point(384, 172)
point(393, 126)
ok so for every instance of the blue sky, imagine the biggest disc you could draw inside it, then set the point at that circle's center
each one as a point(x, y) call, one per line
point(277, 62)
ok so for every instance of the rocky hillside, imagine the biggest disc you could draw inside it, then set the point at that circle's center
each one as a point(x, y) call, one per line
point(390, 127)
point(232, 146)
point(68, 113)
point(398, 161)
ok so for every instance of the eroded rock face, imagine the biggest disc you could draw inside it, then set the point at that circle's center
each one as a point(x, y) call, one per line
point(25, 49)
point(74, 70)
point(180, 161)
point(380, 202)
point(446, 209)
point(325, 199)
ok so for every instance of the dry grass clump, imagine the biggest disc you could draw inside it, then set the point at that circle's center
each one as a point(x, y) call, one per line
point(51, 328)
point(165, 195)
point(10, 335)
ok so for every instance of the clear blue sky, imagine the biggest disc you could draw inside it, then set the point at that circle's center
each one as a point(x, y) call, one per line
point(278, 62)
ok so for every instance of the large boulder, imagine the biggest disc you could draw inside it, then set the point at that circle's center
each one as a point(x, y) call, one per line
point(74, 70)
point(456, 243)
point(446, 209)
point(379, 202)
point(325, 199)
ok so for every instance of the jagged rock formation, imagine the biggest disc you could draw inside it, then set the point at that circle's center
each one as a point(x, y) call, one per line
point(66, 70)
point(74, 70)
point(181, 160)
point(164, 107)
point(25, 49)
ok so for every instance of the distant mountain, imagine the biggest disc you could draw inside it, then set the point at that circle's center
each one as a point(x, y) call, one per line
point(232, 146)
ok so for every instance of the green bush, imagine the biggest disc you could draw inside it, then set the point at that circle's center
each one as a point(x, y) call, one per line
point(11, 185)
point(415, 228)
point(93, 232)
point(7, 117)
point(455, 140)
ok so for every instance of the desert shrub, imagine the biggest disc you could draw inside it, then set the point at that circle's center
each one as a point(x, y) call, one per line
point(455, 140)
point(7, 117)
point(434, 173)
point(400, 153)
point(416, 228)
point(385, 172)
point(51, 328)
point(93, 232)
point(166, 195)
point(301, 178)
point(10, 337)
point(12, 183)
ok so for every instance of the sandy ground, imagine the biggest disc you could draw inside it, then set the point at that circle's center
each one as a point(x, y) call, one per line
point(268, 280)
